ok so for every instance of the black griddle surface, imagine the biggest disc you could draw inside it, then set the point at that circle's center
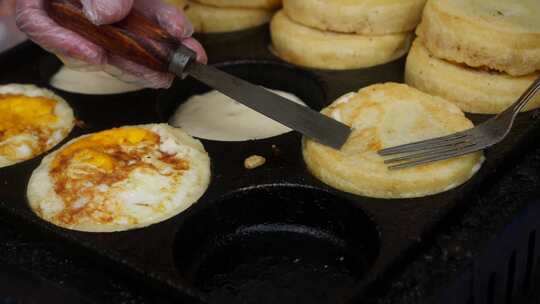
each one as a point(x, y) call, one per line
point(437, 264)
point(394, 230)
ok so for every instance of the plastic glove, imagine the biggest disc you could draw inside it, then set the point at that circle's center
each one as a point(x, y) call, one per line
point(7, 7)
point(33, 20)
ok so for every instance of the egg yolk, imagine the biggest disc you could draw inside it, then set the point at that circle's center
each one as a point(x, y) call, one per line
point(20, 114)
point(92, 149)
point(95, 158)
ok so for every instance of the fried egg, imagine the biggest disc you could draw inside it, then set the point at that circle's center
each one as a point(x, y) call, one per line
point(120, 179)
point(32, 121)
point(383, 116)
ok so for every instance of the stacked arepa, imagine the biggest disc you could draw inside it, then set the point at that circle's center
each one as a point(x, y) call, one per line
point(481, 55)
point(344, 34)
point(220, 16)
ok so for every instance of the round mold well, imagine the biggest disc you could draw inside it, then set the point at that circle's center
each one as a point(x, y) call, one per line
point(270, 74)
point(277, 244)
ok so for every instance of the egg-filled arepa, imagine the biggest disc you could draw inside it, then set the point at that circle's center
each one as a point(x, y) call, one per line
point(120, 179)
point(32, 121)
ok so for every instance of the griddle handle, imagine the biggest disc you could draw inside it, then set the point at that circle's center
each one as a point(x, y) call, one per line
point(135, 38)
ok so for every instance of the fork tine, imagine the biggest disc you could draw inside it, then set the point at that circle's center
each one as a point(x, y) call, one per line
point(424, 144)
point(438, 157)
point(431, 152)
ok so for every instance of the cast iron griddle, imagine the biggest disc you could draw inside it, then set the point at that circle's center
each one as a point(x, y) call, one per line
point(271, 235)
point(18, 286)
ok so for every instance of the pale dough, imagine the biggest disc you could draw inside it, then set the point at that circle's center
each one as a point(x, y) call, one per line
point(90, 82)
point(215, 116)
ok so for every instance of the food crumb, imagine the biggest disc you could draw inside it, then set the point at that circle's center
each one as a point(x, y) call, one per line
point(81, 124)
point(275, 150)
point(254, 161)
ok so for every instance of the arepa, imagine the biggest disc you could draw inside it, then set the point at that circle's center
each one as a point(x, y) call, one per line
point(382, 116)
point(473, 90)
point(266, 4)
point(498, 34)
point(212, 19)
point(367, 17)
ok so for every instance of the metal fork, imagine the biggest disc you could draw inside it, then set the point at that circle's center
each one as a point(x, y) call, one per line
point(478, 138)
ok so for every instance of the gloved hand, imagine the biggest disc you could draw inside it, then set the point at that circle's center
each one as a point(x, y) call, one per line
point(33, 20)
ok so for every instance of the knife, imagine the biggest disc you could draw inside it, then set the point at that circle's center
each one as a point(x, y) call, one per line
point(140, 40)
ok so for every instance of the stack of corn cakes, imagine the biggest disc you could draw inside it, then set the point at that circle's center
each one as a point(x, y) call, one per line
point(481, 55)
point(344, 34)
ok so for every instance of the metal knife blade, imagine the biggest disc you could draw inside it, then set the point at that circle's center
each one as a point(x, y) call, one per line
point(313, 124)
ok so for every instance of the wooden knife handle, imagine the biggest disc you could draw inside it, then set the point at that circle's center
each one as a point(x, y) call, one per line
point(135, 38)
